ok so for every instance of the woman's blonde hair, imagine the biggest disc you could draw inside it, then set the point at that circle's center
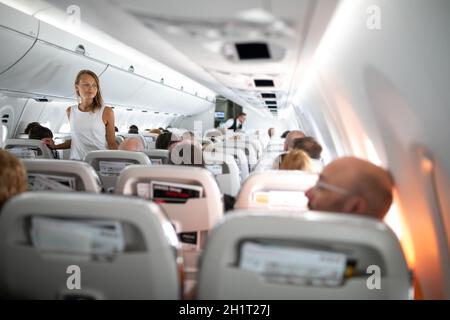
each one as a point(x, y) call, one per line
point(296, 160)
point(13, 177)
point(98, 100)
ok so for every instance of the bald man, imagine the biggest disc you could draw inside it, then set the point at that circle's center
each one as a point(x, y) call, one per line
point(289, 141)
point(132, 144)
point(352, 185)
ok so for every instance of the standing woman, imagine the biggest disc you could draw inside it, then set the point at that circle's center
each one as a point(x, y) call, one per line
point(91, 122)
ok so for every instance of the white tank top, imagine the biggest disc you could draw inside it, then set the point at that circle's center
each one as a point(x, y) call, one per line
point(88, 132)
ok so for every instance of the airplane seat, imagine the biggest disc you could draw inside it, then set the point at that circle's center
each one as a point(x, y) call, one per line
point(276, 189)
point(275, 145)
point(239, 158)
point(61, 175)
point(312, 255)
point(225, 170)
point(85, 246)
point(28, 149)
point(158, 156)
point(266, 162)
point(109, 163)
point(248, 149)
point(150, 139)
point(188, 195)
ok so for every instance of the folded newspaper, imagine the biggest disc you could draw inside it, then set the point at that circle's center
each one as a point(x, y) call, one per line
point(41, 182)
point(80, 237)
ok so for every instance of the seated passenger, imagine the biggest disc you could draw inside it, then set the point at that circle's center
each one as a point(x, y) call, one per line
point(13, 177)
point(296, 160)
point(271, 132)
point(284, 134)
point(288, 146)
point(30, 126)
point(352, 185)
point(45, 135)
point(132, 144)
point(188, 135)
point(313, 149)
point(291, 136)
point(308, 144)
point(165, 139)
point(133, 129)
point(156, 131)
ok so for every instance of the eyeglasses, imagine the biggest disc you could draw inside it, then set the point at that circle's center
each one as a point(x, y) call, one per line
point(326, 186)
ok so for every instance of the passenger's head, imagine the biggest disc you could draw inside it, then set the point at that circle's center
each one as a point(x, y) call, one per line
point(352, 185)
point(295, 160)
point(242, 117)
point(156, 131)
point(116, 129)
point(188, 135)
point(165, 139)
point(132, 144)
point(39, 132)
point(13, 177)
point(30, 126)
point(87, 86)
point(133, 129)
point(187, 153)
point(271, 132)
point(284, 134)
point(291, 136)
point(309, 145)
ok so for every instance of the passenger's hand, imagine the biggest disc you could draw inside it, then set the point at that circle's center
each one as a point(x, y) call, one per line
point(49, 142)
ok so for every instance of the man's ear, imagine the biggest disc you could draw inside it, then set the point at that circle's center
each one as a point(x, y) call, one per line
point(356, 204)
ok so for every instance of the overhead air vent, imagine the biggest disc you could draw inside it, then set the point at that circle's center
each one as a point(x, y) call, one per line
point(263, 83)
point(129, 109)
point(268, 95)
point(252, 50)
point(271, 102)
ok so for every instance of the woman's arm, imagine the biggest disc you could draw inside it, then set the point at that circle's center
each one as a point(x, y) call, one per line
point(65, 145)
point(108, 119)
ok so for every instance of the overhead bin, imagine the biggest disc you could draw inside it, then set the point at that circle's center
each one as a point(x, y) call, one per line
point(18, 32)
point(119, 86)
point(157, 96)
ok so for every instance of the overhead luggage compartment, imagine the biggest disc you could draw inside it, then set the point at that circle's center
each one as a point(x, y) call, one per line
point(49, 69)
point(119, 86)
point(18, 32)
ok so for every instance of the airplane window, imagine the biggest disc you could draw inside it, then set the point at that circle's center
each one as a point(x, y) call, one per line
point(4, 134)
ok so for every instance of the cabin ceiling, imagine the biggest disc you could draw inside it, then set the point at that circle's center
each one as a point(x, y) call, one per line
point(198, 39)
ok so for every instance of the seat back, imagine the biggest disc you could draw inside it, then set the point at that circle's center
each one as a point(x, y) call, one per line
point(158, 156)
point(86, 246)
point(276, 189)
point(248, 149)
point(287, 255)
point(150, 139)
point(109, 163)
point(239, 158)
point(224, 168)
point(28, 149)
point(61, 175)
point(188, 195)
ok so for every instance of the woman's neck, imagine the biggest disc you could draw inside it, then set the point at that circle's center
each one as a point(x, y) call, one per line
point(86, 105)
